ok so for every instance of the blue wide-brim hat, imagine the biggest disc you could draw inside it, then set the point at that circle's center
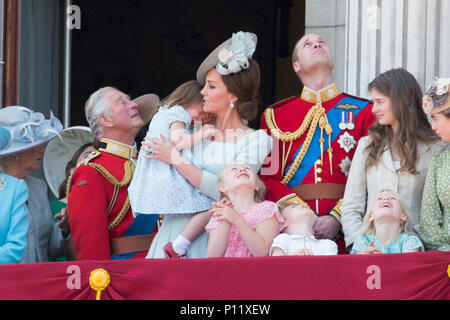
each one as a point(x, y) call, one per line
point(22, 129)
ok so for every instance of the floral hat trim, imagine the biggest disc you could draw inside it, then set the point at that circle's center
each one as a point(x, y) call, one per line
point(26, 129)
point(234, 57)
point(436, 99)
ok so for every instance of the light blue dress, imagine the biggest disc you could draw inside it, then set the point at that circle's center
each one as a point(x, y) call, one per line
point(211, 157)
point(158, 188)
point(13, 219)
point(405, 242)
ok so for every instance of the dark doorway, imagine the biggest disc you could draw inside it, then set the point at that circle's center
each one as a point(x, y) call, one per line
point(144, 46)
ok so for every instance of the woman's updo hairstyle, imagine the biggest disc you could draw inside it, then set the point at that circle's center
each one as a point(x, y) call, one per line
point(244, 85)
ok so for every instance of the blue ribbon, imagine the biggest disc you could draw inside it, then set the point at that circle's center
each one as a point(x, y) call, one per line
point(313, 152)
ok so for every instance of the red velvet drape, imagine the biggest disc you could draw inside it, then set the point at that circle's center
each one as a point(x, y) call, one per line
point(424, 275)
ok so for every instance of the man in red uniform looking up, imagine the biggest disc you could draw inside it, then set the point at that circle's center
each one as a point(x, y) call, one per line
point(315, 137)
point(101, 219)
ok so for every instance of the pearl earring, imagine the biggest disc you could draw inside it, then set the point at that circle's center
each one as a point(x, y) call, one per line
point(231, 105)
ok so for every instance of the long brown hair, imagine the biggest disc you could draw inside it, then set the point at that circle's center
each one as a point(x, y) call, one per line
point(405, 97)
point(244, 85)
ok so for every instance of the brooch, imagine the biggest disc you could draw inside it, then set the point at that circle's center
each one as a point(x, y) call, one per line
point(345, 166)
point(347, 142)
point(2, 183)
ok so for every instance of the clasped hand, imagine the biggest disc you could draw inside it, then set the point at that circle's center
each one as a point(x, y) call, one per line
point(224, 211)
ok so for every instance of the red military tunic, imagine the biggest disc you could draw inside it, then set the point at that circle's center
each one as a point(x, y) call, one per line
point(98, 204)
point(320, 181)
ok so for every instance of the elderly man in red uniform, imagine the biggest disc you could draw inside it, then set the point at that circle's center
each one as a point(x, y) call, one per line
point(101, 220)
point(315, 137)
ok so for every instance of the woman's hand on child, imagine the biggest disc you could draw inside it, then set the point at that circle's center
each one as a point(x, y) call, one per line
point(163, 150)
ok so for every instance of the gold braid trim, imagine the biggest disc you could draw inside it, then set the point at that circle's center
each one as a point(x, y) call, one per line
point(121, 215)
point(128, 175)
point(316, 116)
point(129, 167)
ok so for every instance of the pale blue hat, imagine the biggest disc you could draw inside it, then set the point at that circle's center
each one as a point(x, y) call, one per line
point(59, 152)
point(22, 129)
point(230, 57)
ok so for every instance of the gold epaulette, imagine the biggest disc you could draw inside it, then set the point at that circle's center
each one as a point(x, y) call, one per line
point(129, 167)
point(92, 156)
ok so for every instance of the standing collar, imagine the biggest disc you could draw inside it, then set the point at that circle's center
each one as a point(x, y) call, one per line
point(118, 149)
point(322, 95)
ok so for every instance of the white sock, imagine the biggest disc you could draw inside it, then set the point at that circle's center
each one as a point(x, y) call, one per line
point(180, 244)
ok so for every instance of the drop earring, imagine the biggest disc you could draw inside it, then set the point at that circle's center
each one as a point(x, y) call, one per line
point(231, 105)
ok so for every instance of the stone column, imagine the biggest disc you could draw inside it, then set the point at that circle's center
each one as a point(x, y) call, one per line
point(385, 34)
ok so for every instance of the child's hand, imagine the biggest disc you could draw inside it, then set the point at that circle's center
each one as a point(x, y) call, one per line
point(372, 249)
point(208, 118)
point(303, 252)
point(224, 211)
point(209, 130)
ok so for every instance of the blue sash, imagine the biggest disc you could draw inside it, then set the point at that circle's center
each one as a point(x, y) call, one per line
point(313, 152)
point(141, 225)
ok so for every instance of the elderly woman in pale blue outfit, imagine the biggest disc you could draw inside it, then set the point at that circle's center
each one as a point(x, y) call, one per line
point(13, 211)
point(29, 132)
point(230, 80)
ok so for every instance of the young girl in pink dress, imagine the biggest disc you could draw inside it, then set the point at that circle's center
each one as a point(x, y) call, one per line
point(243, 224)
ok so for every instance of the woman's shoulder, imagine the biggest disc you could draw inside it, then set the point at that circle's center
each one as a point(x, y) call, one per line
point(444, 155)
point(435, 147)
point(12, 183)
point(364, 141)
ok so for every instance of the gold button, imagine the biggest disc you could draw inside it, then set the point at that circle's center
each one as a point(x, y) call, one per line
point(319, 170)
point(319, 180)
point(319, 162)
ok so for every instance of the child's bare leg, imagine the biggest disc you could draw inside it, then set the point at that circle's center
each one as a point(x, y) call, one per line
point(196, 225)
point(193, 229)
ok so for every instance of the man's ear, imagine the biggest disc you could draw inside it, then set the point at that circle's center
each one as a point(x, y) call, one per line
point(104, 121)
point(296, 66)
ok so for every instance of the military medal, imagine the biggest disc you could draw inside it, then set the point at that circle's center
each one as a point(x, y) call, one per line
point(342, 124)
point(350, 121)
point(345, 166)
point(2, 184)
point(347, 142)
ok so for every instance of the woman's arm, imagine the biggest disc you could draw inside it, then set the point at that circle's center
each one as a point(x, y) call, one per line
point(183, 140)
point(16, 239)
point(354, 203)
point(166, 152)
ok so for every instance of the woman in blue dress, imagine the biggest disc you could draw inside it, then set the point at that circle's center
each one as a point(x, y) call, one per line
point(230, 79)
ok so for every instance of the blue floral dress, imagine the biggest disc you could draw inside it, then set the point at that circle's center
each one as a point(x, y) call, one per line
point(405, 242)
point(158, 188)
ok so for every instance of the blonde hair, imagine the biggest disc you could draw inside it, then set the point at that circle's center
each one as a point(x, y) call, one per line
point(185, 95)
point(369, 228)
point(259, 194)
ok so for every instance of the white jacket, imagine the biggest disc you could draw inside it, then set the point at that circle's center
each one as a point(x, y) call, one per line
point(363, 185)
